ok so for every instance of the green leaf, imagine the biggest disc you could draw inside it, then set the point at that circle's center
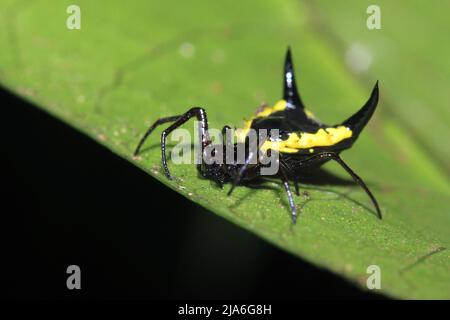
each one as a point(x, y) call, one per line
point(131, 64)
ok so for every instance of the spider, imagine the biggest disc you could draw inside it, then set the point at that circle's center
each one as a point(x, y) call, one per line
point(303, 145)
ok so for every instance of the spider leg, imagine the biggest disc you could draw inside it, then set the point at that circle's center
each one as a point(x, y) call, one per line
point(200, 114)
point(359, 181)
point(242, 170)
point(356, 178)
point(297, 190)
point(251, 156)
point(285, 168)
point(285, 181)
point(150, 130)
point(178, 121)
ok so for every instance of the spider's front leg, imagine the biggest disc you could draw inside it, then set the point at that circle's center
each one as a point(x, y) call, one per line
point(197, 112)
point(150, 130)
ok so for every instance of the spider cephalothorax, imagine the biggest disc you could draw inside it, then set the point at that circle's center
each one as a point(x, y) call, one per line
point(302, 142)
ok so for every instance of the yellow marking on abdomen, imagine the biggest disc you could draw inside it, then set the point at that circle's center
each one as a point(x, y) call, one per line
point(322, 138)
point(307, 140)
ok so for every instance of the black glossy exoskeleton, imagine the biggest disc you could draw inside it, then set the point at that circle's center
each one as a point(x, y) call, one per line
point(304, 142)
